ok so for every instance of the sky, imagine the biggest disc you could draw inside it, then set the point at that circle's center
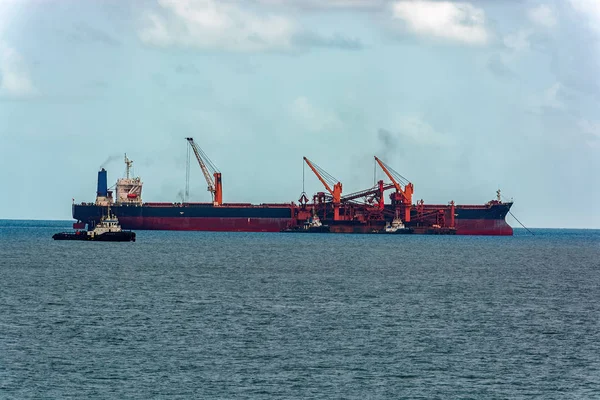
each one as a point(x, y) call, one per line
point(461, 98)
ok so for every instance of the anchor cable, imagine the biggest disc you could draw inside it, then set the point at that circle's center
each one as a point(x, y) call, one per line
point(520, 223)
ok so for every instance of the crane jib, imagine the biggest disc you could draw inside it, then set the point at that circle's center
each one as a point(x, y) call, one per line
point(212, 181)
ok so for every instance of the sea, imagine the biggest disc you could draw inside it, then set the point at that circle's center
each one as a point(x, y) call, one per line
point(299, 316)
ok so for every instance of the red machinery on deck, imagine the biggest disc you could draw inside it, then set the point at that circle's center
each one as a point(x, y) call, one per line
point(348, 214)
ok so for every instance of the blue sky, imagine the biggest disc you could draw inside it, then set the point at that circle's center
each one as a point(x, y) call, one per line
point(462, 98)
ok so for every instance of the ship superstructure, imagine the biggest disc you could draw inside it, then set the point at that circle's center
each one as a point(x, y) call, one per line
point(129, 189)
point(362, 212)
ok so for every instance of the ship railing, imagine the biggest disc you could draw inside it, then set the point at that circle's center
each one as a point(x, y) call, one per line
point(283, 205)
point(442, 206)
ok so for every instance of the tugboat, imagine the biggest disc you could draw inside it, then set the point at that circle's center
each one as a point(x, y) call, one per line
point(311, 225)
point(397, 227)
point(107, 230)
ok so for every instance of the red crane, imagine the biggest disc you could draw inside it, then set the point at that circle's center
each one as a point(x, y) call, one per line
point(336, 192)
point(215, 187)
point(402, 197)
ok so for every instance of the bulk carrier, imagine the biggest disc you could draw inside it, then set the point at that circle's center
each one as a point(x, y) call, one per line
point(361, 212)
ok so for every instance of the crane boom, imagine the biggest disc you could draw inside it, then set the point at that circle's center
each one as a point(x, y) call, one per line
point(318, 175)
point(389, 175)
point(209, 181)
point(214, 183)
point(402, 195)
point(336, 192)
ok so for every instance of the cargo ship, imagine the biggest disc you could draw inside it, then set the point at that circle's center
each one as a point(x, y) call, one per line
point(361, 212)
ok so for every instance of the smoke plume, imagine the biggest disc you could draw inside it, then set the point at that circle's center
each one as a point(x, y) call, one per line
point(388, 143)
point(110, 159)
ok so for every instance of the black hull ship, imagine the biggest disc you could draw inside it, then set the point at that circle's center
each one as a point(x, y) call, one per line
point(125, 236)
point(107, 230)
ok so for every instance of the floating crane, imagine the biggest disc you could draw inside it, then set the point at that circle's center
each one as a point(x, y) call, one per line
point(336, 192)
point(215, 186)
point(402, 198)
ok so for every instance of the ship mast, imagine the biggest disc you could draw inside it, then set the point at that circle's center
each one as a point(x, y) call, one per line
point(128, 164)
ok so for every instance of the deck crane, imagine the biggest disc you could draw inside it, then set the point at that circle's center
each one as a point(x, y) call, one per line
point(215, 186)
point(402, 197)
point(336, 192)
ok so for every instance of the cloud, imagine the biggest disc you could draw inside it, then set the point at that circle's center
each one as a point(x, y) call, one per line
point(550, 97)
point(498, 67)
point(549, 100)
point(543, 16)
point(187, 69)
point(574, 55)
point(366, 5)
point(89, 33)
point(459, 22)
point(415, 129)
point(309, 39)
point(313, 118)
point(98, 84)
point(14, 75)
point(591, 132)
point(519, 40)
point(211, 24)
point(230, 26)
point(589, 8)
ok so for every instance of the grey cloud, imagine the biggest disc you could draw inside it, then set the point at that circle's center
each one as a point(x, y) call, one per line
point(90, 34)
point(309, 39)
point(184, 69)
point(578, 69)
point(245, 67)
point(499, 68)
point(189, 87)
point(354, 5)
point(574, 55)
point(53, 99)
point(194, 89)
point(159, 79)
point(323, 5)
point(168, 28)
point(98, 84)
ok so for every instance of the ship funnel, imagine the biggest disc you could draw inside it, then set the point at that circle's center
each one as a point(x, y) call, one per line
point(102, 183)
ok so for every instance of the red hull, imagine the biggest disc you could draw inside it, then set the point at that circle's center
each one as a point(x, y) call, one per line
point(463, 227)
point(205, 224)
point(490, 227)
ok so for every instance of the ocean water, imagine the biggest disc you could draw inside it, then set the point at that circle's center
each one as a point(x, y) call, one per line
point(269, 315)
